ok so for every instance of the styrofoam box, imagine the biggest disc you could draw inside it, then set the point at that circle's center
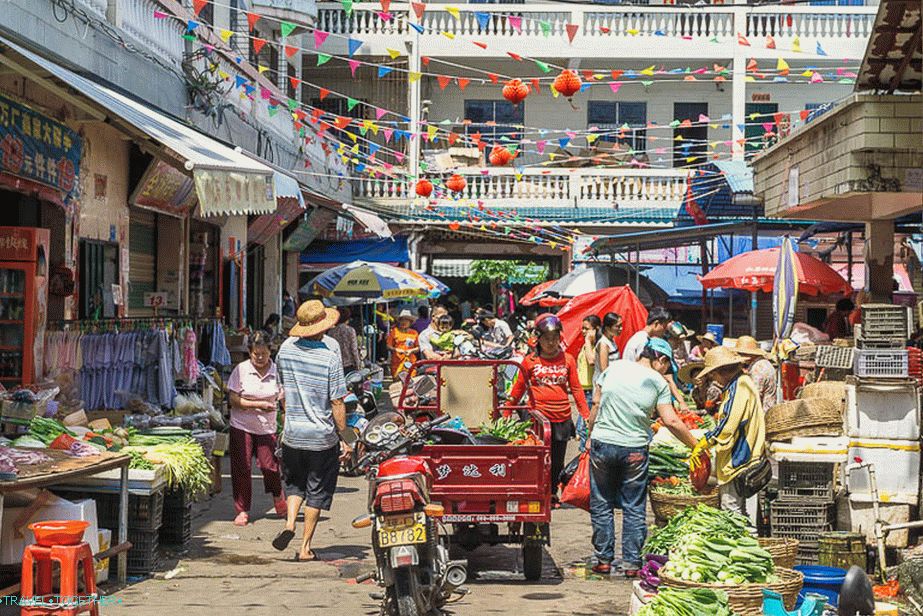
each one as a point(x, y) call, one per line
point(859, 517)
point(883, 410)
point(828, 449)
point(12, 543)
point(897, 470)
point(102, 567)
point(639, 598)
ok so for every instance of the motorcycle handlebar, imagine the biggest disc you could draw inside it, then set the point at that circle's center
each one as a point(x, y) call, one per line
point(383, 454)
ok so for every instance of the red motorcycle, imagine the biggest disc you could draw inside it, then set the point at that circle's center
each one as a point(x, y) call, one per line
point(411, 554)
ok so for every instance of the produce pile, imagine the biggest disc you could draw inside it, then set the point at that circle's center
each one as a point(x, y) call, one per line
point(687, 602)
point(692, 521)
point(511, 430)
point(668, 461)
point(693, 421)
point(718, 559)
point(672, 485)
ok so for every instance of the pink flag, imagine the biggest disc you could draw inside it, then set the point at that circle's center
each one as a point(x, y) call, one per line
point(614, 86)
point(388, 132)
point(399, 156)
point(380, 112)
point(353, 65)
point(319, 37)
point(515, 22)
point(571, 31)
point(540, 146)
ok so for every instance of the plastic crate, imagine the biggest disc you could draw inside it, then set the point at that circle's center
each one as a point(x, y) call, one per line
point(879, 343)
point(806, 481)
point(144, 555)
point(176, 499)
point(801, 516)
point(177, 526)
point(886, 321)
point(831, 356)
point(144, 512)
point(881, 363)
point(807, 556)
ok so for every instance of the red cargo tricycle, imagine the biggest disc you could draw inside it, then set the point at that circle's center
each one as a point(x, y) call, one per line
point(492, 492)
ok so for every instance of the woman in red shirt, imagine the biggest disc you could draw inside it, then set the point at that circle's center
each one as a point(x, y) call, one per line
point(553, 378)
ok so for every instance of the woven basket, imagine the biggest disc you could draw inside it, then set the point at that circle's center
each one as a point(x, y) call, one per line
point(665, 506)
point(784, 550)
point(747, 599)
point(832, 390)
point(783, 420)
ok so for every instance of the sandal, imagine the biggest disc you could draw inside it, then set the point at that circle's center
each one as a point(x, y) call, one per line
point(283, 539)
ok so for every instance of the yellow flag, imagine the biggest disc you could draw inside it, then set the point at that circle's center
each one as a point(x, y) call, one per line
point(366, 124)
point(394, 53)
point(796, 45)
point(753, 116)
point(453, 11)
point(647, 71)
point(431, 131)
point(449, 35)
point(345, 159)
point(518, 176)
point(678, 138)
point(749, 78)
point(633, 32)
point(691, 159)
point(223, 75)
point(591, 138)
point(354, 149)
point(414, 76)
point(374, 128)
point(807, 73)
point(226, 35)
point(262, 69)
point(715, 126)
point(352, 136)
point(552, 156)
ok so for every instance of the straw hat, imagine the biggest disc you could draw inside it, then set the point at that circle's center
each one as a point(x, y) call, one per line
point(710, 336)
point(748, 346)
point(719, 357)
point(689, 372)
point(406, 314)
point(313, 319)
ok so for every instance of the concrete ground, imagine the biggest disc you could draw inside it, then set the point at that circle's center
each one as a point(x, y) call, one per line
point(232, 570)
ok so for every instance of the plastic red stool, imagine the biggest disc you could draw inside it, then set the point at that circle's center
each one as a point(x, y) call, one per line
point(70, 557)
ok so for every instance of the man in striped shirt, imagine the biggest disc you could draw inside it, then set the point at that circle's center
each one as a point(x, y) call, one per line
point(312, 379)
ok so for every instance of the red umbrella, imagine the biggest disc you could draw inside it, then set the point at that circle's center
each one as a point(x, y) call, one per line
point(755, 271)
point(620, 300)
point(546, 302)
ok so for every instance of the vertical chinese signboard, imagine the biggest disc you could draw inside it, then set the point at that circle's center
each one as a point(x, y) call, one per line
point(37, 148)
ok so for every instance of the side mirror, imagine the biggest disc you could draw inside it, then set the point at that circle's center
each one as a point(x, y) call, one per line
point(856, 596)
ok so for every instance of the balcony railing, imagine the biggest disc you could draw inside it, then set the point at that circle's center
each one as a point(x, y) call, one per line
point(639, 31)
point(548, 187)
point(161, 36)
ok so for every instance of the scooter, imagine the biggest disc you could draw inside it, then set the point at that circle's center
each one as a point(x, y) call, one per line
point(361, 407)
point(411, 554)
point(856, 599)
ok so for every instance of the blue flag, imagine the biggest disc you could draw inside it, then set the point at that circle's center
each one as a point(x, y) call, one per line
point(354, 46)
point(483, 19)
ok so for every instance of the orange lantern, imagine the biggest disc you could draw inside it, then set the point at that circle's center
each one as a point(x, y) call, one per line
point(567, 83)
point(456, 183)
point(500, 156)
point(424, 188)
point(515, 91)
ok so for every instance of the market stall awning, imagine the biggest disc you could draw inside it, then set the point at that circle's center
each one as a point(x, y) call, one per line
point(369, 220)
point(371, 250)
point(227, 181)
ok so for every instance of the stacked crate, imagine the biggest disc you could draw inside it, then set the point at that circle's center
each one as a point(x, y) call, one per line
point(176, 530)
point(883, 420)
point(805, 507)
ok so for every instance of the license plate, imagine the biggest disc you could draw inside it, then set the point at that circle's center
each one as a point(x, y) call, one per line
point(402, 530)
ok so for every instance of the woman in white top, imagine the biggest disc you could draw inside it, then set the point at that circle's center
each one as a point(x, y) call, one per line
point(606, 349)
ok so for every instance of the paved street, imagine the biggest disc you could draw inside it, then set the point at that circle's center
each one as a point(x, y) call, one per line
point(235, 570)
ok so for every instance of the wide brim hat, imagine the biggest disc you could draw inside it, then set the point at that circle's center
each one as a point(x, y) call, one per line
point(406, 314)
point(747, 345)
point(710, 336)
point(689, 372)
point(314, 319)
point(719, 357)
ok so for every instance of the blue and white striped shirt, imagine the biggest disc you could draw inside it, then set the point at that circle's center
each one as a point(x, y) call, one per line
point(312, 376)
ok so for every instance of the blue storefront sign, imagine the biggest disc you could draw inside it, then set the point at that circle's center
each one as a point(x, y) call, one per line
point(37, 148)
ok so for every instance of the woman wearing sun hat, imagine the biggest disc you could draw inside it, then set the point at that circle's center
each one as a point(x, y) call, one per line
point(403, 343)
point(739, 438)
point(760, 369)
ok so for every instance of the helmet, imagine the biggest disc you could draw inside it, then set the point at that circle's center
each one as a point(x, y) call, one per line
point(547, 323)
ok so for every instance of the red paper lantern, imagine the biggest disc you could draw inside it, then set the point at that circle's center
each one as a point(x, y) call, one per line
point(567, 83)
point(424, 188)
point(515, 91)
point(500, 156)
point(456, 183)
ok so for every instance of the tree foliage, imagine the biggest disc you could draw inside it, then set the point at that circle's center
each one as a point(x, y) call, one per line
point(493, 271)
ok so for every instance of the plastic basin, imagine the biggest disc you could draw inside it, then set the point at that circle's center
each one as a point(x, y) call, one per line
point(58, 532)
point(822, 581)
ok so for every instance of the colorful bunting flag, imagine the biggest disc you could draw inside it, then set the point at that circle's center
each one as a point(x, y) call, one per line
point(770, 42)
point(820, 50)
point(394, 53)
point(319, 37)
point(290, 50)
point(418, 8)
point(515, 22)
point(286, 28)
point(347, 6)
point(463, 83)
point(482, 18)
point(323, 58)
point(252, 18)
point(453, 11)
point(796, 44)
point(546, 27)
point(782, 67)
point(225, 35)
point(443, 81)
point(353, 65)
point(742, 40)
point(258, 44)
point(384, 70)
point(542, 66)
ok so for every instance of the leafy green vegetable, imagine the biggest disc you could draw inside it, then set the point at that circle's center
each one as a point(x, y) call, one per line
point(507, 428)
point(184, 462)
point(718, 559)
point(698, 520)
point(687, 602)
point(47, 430)
point(668, 461)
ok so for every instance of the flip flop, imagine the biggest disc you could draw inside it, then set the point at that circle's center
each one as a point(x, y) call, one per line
point(283, 539)
point(299, 559)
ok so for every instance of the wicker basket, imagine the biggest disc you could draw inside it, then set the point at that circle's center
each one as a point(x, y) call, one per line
point(665, 506)
point(747, 599)
point(784, 550)
point(804, 418)
point(832, 390)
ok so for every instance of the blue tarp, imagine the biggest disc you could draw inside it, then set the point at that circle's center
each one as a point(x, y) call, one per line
point(743, 244)
point(713, 189)
point(388, 250)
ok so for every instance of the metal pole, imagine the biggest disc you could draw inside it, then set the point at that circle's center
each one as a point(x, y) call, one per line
point(638, 271)
point(413, 96)
point(754, 242)
point(849, 258)
point(730, 331)
point(703, 257)
point(122, 562)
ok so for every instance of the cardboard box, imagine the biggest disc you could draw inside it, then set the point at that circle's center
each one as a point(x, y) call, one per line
point(13, 541)
point(102, 567)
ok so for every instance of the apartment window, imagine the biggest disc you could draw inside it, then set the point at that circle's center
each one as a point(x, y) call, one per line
point(610, 116)
point(495, 120)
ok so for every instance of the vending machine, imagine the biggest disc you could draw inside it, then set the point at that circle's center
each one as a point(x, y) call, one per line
point(23, 303)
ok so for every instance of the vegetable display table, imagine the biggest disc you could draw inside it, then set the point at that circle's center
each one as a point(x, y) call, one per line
point(63, 467)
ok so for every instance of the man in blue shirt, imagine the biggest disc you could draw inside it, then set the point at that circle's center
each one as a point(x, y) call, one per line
point(625, 400)
point(312, 378)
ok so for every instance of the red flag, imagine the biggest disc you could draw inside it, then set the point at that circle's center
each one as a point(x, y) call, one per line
point(479, 44)
point(252, 18)
point(342, 122)
point(443, 81)
point(290, 50)
point(514, 56)
point(418, 8)
point(424, 60)
point(294, 81)
point(324, 92)
point(258, 44)
point(803, 114)
point(571, 31)
point(620, 300)
point(770, 42)
point(493, 78)
point(535, 84)
point(463, 83)
point(198, 5)
point(692, 208)
point(385, 4)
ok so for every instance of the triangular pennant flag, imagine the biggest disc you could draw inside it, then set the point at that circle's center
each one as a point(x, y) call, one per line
point(379, 112)
point(820, 50)
point(424, 60)
point(796, 44)
point(353, 65)
point(273, 110)
point(770, 42)
point(384, 70)
point(294, 81)
point(292, 104)
point(431, 132)
point(261, 69)
point(545, 26)
point(249, 89)
point(198, 5)
point(239, 81)
point(290, 50)
point(319, 37)
point(515, 22)
point(385, 5)
point(252, 18)
point(414, 76)
point(703, 118)
point(563, 141)
point(191, 25)
point(571, 31)
point(160, 15)
point(614, 86)
point(394, 53)
point(540, 146)
point(590, 139)
point(782, 67)
point(803, 114)
point(817, 77)
point(752, 65)
point(286, 28)
point(347, 6)
point(463, 83)
point(443, 81)
point(483, 19)
point(514, 56)
point(535, 85)
point(647, 71)
point(493, 78)
point(388, 132)
point(342, 122)
point(225, 35)
point(420, 29)
point(453, 11)
point(542, 66)
point(354, 46)
point(258, 44)
point(448, 35)
point(480, 44)
point(418, 8)
point(223, 75)
point(323, 58)
point(742, 40)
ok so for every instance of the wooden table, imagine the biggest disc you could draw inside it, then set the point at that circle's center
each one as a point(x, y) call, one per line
point(63, 467)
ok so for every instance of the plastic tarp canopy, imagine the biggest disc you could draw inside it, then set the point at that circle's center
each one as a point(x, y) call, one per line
point(621, 300)
point(392, 250)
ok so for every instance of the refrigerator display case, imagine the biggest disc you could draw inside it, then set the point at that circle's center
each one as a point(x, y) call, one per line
point(23, 303)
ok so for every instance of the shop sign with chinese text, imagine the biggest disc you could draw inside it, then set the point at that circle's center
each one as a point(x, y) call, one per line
point(37, 148)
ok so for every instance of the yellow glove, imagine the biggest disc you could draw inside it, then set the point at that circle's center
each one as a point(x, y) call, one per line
point(700, 447)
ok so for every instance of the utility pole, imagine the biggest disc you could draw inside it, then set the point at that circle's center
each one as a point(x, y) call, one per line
point(413, 102)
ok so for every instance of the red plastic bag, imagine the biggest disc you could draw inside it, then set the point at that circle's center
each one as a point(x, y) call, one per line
point(699, 476)
point(577, 490)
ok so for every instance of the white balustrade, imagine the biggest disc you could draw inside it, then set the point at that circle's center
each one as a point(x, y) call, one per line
point(163, 37)
point(97, 8)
